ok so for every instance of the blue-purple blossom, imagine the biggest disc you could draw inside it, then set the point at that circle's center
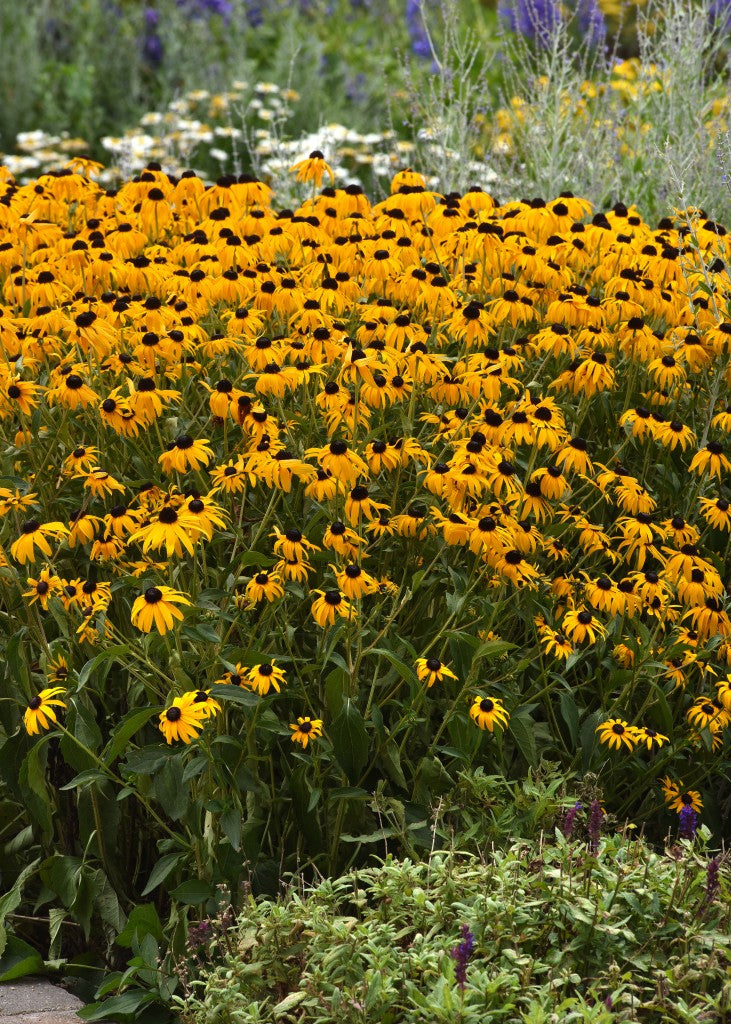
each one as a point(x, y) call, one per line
point(568, 824)
point(713, 882)
point(417, 30)
point(688, 822)
point(461, 954)
point(539, 19)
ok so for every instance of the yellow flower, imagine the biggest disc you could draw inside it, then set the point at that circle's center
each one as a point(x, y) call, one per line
point(615, 732)
point(261, 678)
point(306, 729)
point(313, 168)
point(40, 712)
point(156, 608)
point(487, 712)
point(431, 670)
point(35, 535)
point(183, 720)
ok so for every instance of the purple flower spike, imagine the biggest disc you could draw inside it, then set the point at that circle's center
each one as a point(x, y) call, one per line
point(461, 954)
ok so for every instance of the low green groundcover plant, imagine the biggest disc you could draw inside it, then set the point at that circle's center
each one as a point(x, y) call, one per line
point(542, 931)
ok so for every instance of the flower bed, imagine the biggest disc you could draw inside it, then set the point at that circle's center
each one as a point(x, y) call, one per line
point(304, 511)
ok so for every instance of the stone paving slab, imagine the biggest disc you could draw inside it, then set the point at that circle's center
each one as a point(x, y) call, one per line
point(54, 1017)
point(37, 1001)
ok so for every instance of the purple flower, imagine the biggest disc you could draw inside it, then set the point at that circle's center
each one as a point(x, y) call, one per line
point(595, 824)
point(536, 19)
point(202, 8)
point(417, 32)
point(568, 824)
point(539, 19)
point(713, 883)
point(688, 822)
point(461, 954)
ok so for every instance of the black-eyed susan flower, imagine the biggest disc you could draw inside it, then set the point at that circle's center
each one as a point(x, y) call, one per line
point(711, 461)
point(354, 582)
point(42, 588)
point(157, 608)
point(203, 702)
point(183, 720)
point(305, 730)
point(292, 544)
point(265, 677)
point(615, 732)
point(184, 453)
point(555, 642)
point(265, 586)
point(432, 670)
point(677, 797)
point(171, 529)
point(41, 711)
point(705, 713)
point(329, 605)
point(237, 676)
point(649, 737)
point(34, 538)
point(487, 712)
point(313, 168)
point(716, 512)
point(580, 625)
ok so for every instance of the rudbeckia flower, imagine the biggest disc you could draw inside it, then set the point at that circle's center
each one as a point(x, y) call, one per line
point(184, 453)
point(265, 586)
point(431, 670)
point(34, 535)
point(329, 605)
point(487, 712)
point(41, 713)
point(305, 730)
point(313, 169)
point(262, 678)
point(615, 732)
point(183, 720)
point(156, 607)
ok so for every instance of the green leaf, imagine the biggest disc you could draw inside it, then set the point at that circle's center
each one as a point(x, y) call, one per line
point(19, 960)
point(231, 826)
point(122, 733)
point(523, 731)
point(492, 649)
point(32, 782)
point(255, 558)
point(350, 740)
point(193, 892)
point(588, 737)
point(84, 779)
point(407, 672)
point(336, 688)
point(105, 659)
point(289, 1002)
point(127, 1003)
point(147, 760)
point(391, 760)
point(234, 694)
point(170, 789)
point(570, 715)
point(142, 921)
point(10, 901)
point(161, 871)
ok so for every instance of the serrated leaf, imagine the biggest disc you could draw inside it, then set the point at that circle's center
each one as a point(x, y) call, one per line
point(522, 730)
point(123, 733)
point(161, 870)
point(350, 740)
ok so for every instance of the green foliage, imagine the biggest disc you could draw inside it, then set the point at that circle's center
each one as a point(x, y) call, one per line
point(627, 935)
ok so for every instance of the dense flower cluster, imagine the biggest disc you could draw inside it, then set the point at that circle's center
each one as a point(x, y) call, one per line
point(525, 403)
